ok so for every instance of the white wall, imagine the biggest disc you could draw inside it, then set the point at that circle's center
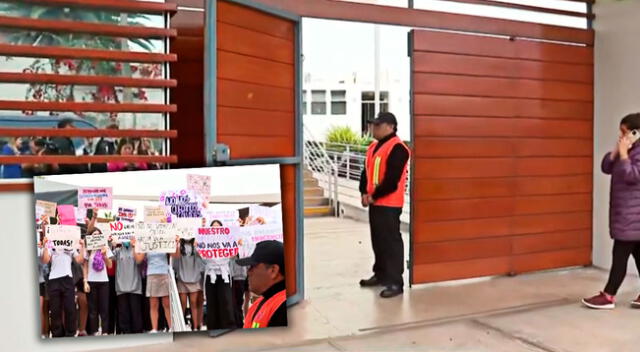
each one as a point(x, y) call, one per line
point(20, 323)
point(617, 93)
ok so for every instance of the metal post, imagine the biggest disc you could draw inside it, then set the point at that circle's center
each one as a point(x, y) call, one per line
point(210, 66)
point(376, 74)
point(589, 15)
point(348, 162)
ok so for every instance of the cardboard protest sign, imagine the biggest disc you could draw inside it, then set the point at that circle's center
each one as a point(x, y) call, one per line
point(217, 242)
point(187, 227)
point(81, 214)
point(96, 241)
point(181, 204)
point(95, 197)
point(256, 211)
point(154, 214)
point(200, 185)
point(67, 214)
point(122, 231)
point(127, 214)
point(155, 238)
point(104, 228)
point(63, 236)
point(47, 209)
point(269, 232)
point(226, 217)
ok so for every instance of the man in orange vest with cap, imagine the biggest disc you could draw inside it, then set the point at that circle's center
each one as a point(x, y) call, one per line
point(382, 186)
point(266, 279)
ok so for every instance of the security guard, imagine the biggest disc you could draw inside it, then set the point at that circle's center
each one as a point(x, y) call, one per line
point(266, 278)
point(382, 186)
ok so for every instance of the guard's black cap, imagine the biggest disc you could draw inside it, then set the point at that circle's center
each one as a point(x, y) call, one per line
point(385, 117)
point(267, 252)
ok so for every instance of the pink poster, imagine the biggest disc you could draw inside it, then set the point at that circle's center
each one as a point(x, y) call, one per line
point(95, 197)
point(67, 214)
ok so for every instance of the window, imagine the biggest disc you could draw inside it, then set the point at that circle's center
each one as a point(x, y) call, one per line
point(107, 98)
point(304, 102)
point(318, 102)
point(338, 102)
point(369, 107)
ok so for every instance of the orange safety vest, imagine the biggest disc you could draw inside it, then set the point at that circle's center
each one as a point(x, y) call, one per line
point(376, 166)
point(261, 318)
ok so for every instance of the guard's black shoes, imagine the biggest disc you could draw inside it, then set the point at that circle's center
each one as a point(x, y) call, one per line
point(391, 291)
point(370, 282)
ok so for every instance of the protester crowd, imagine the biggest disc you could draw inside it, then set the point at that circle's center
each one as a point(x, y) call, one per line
point(75, 146)
point(116, 290)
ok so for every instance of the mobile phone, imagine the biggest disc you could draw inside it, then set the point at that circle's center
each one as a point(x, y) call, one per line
point(89, 213)
point(633, 136)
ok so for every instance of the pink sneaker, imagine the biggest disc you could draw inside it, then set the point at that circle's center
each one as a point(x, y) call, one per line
point(636, 303)
point(601, 301)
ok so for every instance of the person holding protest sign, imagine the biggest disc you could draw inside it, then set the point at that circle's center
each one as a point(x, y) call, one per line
point(188, 268)
point(43, 273)
point(266, 279)
point(129, 287)
point(158, 286)
point(220, 312)
point(95, 269)
point(60, 287)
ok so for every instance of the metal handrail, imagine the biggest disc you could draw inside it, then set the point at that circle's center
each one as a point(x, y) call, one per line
point(318, 161)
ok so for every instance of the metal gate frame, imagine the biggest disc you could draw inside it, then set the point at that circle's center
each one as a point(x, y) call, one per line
point(218, 155)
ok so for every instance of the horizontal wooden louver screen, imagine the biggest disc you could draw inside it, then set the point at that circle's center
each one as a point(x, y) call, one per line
point(112, 30)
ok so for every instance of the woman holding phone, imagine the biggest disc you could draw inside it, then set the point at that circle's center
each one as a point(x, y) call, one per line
point(623, 164)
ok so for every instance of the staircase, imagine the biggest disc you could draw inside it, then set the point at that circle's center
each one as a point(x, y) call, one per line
point(315, 202)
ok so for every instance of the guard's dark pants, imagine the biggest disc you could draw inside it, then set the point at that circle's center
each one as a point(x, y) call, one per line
point(388, 248)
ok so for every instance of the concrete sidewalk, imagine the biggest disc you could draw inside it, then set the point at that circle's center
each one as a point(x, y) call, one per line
point(537, 312)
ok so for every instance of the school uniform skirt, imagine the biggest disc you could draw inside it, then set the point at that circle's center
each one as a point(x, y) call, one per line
point(157, 285)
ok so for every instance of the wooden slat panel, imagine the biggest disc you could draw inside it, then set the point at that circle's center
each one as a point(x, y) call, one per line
point(425, 104)
point(329, 9)
point(433, 83)
point(554, 185)
point(86, 159)
point(254, 44)
point(253, 70)
point(244, 147)
point(500, 187)
point(33, 24)
point(77, 132)
point(490, 147)
point(463, 209)
point(500, 127)
point(550, 260)
point(16, 187)
point(501, 47)
point(550, 222)
point(462, 229)
point(121, 5)
point(553, 166)
point(496, 227)
point(500, 67)
point(246, 95)
point(19, 77)
point(75, 53)
point(429, 253)
point(553, 241)
point(501, 167)
point(255, 20)
point(74, 107)
point(461, 270)
point(235, 121)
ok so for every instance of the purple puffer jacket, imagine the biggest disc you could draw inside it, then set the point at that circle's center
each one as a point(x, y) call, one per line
point(624, 201)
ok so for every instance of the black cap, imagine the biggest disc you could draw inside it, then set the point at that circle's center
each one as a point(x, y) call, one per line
point(385, 117)
point(267, 252)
